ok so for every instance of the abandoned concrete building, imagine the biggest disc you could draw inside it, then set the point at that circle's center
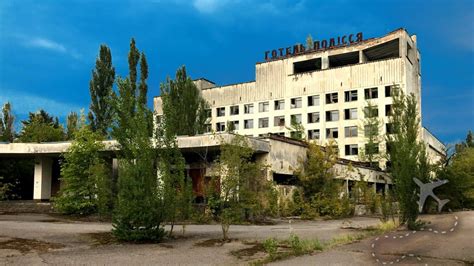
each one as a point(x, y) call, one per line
point(325, 89)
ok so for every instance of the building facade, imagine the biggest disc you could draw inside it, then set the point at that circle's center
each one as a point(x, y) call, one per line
point(325, 88)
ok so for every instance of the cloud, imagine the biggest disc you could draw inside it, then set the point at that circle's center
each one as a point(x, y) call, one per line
point(48, 44)
point(23, 103)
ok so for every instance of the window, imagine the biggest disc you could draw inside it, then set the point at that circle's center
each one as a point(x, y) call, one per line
point(350, 113)
point(371, 148)
point(371, 93)
point(221, 111)
point(388, 91)
point(313, 100)
point(263, 122)
point(313, 117)
point(307, 65)
point(207, 128)
point(332, 133)
point(235, 124)
point(158, 119)
point(371, 130)
point(248, 123)
point(279, 121)
point(296, 103)
point(234, 110)
point(332, 115)
point(208, 113)
point(350, 131)
point(220, 126)
point(350, 96)
point(279, 104)
point(389, 128)
point(263, 107)
point(345, 59)
point(296, 119)
point(248, 108)
point(388, 110)
point(331, 97)
point(352, 149)
point(313, 134)
point(370, 112)
point(296, 135)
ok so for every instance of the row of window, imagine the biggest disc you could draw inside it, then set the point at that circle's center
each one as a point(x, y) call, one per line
point(349, 96)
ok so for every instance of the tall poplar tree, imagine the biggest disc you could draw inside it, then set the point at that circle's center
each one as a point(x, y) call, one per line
point(101, 91)
point(183, 105)
point(7, 131)
point(71, 125)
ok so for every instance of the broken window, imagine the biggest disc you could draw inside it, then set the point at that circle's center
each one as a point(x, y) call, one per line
point(383, 51)
point(352, 149)
point(388, 110)
point(207, 128)
point(248, 108)
point(263, 122)
point(332, 133)
point(234, 110)
point(248, 123)
point(389, 128)
point(296, 119)
point(296, 103)
point(313, 100)
point(279, 121)
point(350, 96)
point(332, 115)
point(350, 113)
point(371, 112)
point(158, 119)
point(221, 111)
point(372, 148)
point(313, 117)
point(307, 65)
point(220, 126)
point(208, 113)
point(340, 60)
point(279, 104)
point(331, 98)
point(235, 124)
point(388, 91)
point(350, 131)
point(313, 134)
point(371, 93)
point(263, 107)
point(371, 130)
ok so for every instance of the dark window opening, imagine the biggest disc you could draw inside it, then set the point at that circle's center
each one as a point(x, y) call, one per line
point(282, 179)
point(307, 66)
point(344, 59)
point(383, 51)
point(388, 110)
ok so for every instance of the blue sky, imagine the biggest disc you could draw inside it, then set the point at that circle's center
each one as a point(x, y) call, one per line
point(48, 48)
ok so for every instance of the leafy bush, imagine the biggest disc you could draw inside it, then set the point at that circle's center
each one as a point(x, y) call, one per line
point(271, 246)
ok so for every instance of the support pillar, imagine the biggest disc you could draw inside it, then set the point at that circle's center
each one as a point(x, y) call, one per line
point(42, 178)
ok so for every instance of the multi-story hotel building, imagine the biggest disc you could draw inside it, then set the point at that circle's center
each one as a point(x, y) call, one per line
point(325, 88)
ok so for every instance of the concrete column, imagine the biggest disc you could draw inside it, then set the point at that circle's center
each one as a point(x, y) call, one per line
point(325, 61)
point(42, 179)
point(362, 57)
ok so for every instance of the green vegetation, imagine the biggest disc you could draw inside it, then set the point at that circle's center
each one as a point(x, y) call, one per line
point(85, 176)
point(41, 127)
point(407, 155)
point(139, 210)
point(7, 119)
point(101, 91)
point(371, 128)
point(71, 125)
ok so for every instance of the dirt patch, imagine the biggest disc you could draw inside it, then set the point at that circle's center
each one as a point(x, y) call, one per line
point(250, 252)
point(26, 245)
point(77, 218)
point(101, 238)
point(213, 242)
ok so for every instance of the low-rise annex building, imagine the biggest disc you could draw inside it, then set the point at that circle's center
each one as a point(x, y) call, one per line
point(325, 88)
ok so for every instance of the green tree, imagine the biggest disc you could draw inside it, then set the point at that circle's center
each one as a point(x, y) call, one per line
point(309, 42)
point(469, 143)
point(101, 91)
point(41, 127)
point(183, 105)
point(243, 184)
point(83, 172)
point(71, 125)
point(297, 130)
point(407, 155)
point(371, 127)
point(7, 119)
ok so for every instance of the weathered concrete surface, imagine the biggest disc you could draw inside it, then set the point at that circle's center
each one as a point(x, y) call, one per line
point(80, 249)
point(427, 247)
